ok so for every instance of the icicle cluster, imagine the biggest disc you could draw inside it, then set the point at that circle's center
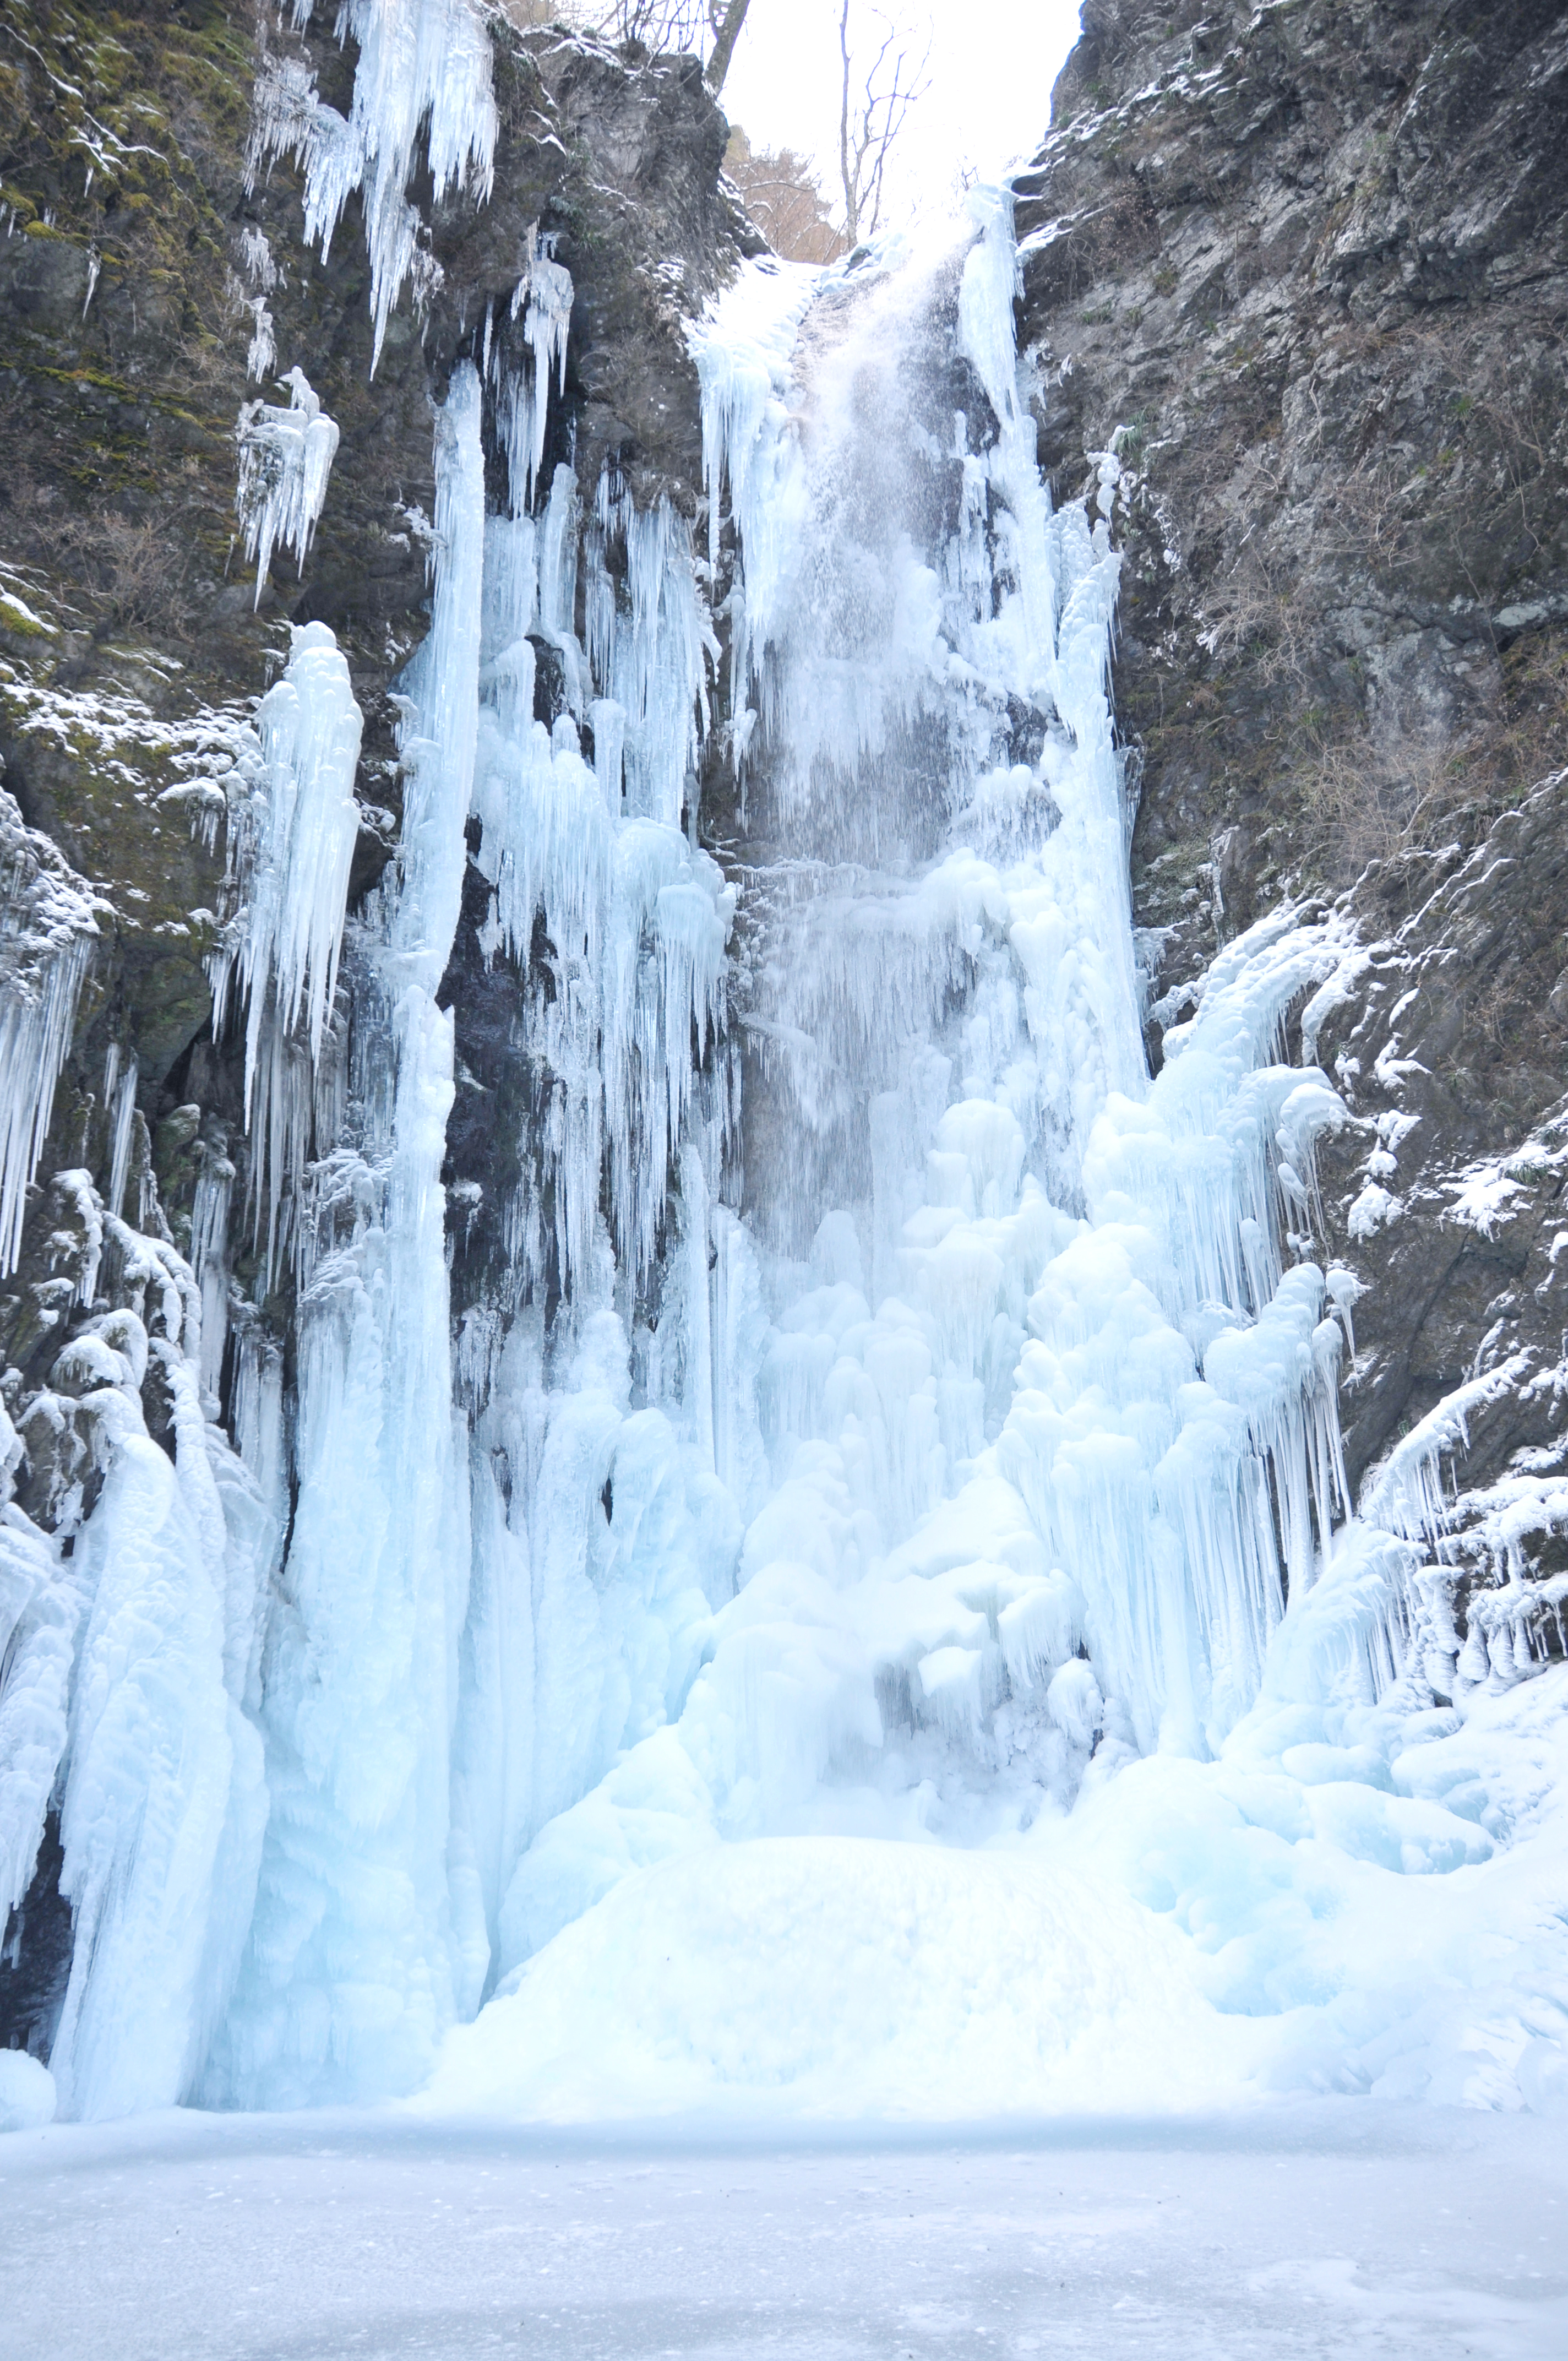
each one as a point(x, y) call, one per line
point(424, 67)
point(292, 825)
point(285, 460)
point(48, 930)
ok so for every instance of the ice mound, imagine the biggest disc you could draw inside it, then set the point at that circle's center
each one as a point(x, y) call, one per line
point(839, 1977)
point(27, 2093)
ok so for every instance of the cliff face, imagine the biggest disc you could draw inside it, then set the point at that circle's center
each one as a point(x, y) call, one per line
point(1313, 262)
point(145, 251)
point(154, 278)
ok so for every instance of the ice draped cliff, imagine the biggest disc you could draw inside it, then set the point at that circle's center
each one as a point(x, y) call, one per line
point(825, 1562)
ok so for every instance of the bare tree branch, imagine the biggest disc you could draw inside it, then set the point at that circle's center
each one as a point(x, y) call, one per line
point(873, 107)
point(726, 21)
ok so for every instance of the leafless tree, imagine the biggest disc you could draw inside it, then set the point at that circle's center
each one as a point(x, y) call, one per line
point(725, 18)
point(664, 26)
point(784, 199)
point(878, 85)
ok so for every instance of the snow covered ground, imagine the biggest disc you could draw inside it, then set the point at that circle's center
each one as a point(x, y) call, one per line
point(1329, 2227)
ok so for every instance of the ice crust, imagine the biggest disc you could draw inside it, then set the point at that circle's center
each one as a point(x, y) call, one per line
point(906, 1646)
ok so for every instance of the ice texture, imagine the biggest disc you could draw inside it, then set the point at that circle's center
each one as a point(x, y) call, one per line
point(877, 1628)
point(422, 82)
point(1048, 1555)
point(285, 461)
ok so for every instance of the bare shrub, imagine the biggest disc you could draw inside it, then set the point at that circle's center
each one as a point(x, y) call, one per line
point(133, 569)
point(783, 197)
point(1368, 800)
point(1534, 741)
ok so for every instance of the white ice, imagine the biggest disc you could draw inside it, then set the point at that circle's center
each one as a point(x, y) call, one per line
point(883, 1631)
point(1302, 2234)
point(285, 462)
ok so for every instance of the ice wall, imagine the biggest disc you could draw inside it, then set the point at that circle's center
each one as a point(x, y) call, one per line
point(878, 1409)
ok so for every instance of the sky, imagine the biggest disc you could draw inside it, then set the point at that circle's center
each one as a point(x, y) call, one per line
point(992, 64)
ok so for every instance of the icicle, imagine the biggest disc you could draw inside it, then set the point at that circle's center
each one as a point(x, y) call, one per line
point(285, 459)
point(47, 932)
point(293, 831)
point(423, 65)
point(523, 409)
point(122, 1102)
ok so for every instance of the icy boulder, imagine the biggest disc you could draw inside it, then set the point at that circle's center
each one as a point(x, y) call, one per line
point(27, 2093)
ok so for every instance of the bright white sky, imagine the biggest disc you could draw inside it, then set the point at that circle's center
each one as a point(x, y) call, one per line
point(992, 64)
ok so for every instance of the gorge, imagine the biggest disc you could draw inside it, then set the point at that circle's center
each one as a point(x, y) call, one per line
point(782, 1062)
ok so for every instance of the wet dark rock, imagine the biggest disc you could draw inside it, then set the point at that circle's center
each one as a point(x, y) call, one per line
point(1308, 267)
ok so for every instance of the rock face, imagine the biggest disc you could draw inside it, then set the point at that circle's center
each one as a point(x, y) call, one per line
point(144, 253)
point(1307, 264)
point(154, 279)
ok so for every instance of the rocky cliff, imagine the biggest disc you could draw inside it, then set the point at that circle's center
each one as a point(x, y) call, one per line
point(154, 277)
point(1307, 266)
point(156, 281)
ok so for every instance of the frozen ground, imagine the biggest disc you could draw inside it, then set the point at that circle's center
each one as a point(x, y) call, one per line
point(1330, 2228)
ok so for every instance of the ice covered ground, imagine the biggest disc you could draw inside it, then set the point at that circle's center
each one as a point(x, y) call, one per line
point(1331, 2227)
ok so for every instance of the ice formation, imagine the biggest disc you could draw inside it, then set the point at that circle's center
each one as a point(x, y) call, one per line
point(47, 931)
point(424, 67)
point(292, 822)
point(887, 1420)
point(124, 1674)
point(285, 460)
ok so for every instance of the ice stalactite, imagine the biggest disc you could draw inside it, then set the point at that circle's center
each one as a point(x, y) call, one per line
point(543, 295)
point(424, 67)
point(48, 930)
point(292, 824)
point(285, 462)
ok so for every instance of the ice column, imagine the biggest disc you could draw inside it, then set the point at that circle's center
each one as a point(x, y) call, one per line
point(349, 1976)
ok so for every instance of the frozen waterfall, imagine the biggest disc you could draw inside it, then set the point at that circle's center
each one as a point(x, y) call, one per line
point(881, 1433)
